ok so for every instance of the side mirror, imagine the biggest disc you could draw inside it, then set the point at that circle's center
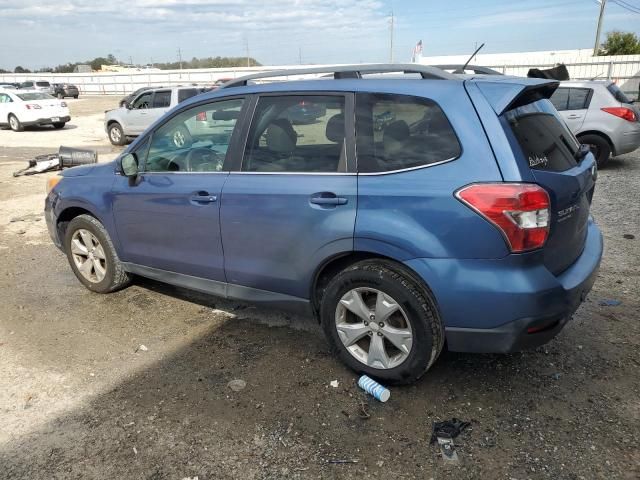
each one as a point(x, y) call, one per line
point(129, 165)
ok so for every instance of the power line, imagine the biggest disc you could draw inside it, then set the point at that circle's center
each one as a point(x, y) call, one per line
point(627, 6)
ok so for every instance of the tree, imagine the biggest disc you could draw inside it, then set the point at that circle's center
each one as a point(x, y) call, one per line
point(20, 69)
point(620, 43)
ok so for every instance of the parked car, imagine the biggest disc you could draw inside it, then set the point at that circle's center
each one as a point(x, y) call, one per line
point(471, 227)
point(144, 109)
point(19, 109)
point(600, 115)
point(62, 90)
point(9, 85)
point(129, 98)
point(38, 85)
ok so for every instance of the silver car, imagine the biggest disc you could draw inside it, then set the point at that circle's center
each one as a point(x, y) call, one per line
point(600, 115)
point(133, 118)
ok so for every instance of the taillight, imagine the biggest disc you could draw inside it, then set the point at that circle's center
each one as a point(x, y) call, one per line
point(622, 112)
point(201, 117)
point(33, 106)
point(519, 210)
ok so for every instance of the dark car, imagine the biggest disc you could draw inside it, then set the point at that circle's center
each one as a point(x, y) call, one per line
point(306, 112)
point(62, 90)
point(472, 228)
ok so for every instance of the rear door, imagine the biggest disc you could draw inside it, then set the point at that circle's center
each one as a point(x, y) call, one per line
point(572, 103)
point(292, 202)
point(550, 151)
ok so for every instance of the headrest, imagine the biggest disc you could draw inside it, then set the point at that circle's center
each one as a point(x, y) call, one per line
point(395, 136)
point(335, 128)
point(281, 137)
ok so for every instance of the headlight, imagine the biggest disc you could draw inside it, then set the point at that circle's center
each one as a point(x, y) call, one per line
point(52, 182)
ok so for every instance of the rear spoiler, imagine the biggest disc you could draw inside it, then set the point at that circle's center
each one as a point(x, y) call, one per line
point(510, 93)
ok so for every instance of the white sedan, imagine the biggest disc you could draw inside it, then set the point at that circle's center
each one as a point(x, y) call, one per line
point(20, 109)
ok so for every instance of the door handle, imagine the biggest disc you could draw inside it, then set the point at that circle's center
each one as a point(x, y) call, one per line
point(328, 199)
point(574, 116)
point(202, 198)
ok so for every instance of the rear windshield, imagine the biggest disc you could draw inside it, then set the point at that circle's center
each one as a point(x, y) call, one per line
point(34, 96)
point(43, 84)
point(545, 140)
point(618, 94)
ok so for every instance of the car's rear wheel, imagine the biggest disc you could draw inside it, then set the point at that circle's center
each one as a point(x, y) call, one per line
point(599, 147)
point(92, 257)
point(116, 135)
point(75, 96)
point(381, 321)
point(15, 124)
point(59, 125)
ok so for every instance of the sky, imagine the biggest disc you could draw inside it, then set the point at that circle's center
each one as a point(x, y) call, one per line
point(36, 34)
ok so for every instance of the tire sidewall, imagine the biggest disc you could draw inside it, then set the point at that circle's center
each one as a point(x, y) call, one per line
point(82, 222)
point(603, 147)
point(118, 127)
point(18, 126)
point(421, 351)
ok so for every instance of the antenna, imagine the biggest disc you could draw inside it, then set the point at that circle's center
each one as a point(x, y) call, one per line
point(471, 58)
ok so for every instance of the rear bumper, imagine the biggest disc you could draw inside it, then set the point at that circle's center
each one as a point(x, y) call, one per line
point(488, 306)
point(628, 141)
point(46, 121)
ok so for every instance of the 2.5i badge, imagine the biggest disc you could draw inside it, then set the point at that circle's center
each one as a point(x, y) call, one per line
point(538, 160)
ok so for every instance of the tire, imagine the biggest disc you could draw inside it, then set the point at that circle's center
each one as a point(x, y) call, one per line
point(59, 125)
point(417, 313)
point(75, 96)
point(599, 147)
point(116, 135)
point(60, 96)
point(91, 234)
point(15, 124)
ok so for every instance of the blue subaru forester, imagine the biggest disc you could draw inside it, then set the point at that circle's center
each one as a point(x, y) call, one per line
point(463, 218)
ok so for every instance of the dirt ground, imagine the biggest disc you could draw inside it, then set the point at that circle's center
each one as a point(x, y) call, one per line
point(134, 384)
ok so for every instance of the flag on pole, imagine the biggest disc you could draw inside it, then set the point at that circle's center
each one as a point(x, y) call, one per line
point(417, 51)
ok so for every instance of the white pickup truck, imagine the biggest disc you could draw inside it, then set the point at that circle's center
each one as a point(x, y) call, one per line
point(146, 108)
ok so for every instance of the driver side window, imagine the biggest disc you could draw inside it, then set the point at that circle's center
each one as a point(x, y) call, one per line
point(195, 140)
point(143, 101)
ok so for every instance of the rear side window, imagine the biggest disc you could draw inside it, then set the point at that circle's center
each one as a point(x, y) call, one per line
point(186, 93)
point(43, 84)
point(396, 132)
point(579, 98)
point(618, 94)
point(162, 99)
point(545, 140)
point(560, 99)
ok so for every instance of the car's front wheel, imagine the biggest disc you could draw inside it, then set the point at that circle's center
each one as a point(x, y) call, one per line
point(381, 321)
point(92, 257)
point(59, 125)
point(116, 135)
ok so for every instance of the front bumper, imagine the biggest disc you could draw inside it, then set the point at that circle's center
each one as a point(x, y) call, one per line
point(51, 219)
point(488, 306)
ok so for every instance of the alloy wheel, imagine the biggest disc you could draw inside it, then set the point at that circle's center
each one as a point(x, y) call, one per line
point(373, 328)
point(88, 255)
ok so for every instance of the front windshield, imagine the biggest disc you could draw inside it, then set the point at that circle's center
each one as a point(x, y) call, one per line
point(34, 96)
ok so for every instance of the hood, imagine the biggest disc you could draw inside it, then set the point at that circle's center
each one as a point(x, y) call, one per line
point(93, 169)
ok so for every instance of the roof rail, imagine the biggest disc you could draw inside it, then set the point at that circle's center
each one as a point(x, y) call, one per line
point(459, 68)
point(349, 71)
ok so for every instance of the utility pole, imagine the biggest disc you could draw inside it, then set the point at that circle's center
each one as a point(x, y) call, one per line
point(391, 22)
point(300, 55)
point(596, 47)
point(180, 57)
point(246, 46)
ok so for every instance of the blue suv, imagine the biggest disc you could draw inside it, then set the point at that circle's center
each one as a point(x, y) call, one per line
point(463, 219)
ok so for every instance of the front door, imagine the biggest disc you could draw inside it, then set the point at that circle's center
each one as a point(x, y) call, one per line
point(292, 201)
point(168, 218)
point(138, 116)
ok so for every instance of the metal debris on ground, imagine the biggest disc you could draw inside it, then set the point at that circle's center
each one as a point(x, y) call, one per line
point(65, 158)
point(607, 302)
point(443, 433)
point(237, 385)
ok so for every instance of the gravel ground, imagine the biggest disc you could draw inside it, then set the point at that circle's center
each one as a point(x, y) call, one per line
point(81, 398)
